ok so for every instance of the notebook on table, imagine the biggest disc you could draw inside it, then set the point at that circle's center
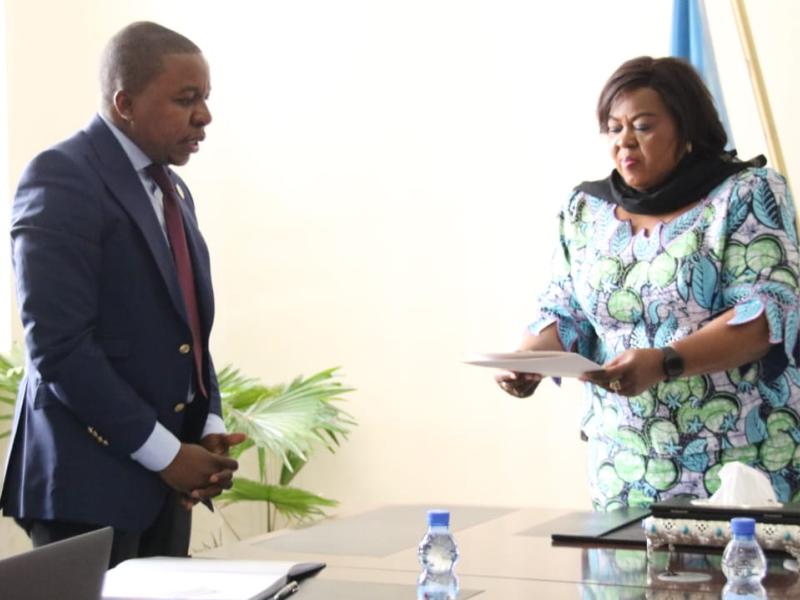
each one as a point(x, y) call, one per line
point(72, 569)
point(162, 578)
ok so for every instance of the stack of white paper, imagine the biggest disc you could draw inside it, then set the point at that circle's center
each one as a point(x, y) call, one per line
point(554, 364)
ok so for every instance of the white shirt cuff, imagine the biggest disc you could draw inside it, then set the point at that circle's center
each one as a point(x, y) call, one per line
point(214, 424)
point(159, 450)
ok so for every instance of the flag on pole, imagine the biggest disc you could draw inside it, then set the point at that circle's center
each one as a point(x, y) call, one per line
point(692, 42)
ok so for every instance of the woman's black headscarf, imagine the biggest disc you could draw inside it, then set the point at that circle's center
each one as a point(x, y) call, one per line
point(693, 178)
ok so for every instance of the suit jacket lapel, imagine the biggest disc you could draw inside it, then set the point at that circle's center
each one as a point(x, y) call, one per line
point(124, 183)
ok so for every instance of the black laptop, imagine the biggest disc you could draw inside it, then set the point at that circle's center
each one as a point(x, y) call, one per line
point(684, 508)
point(72, 569)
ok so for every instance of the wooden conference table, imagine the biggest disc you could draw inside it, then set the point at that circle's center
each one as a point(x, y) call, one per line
point(505, 553)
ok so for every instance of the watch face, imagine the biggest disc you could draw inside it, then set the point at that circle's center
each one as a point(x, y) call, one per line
point(673, 363)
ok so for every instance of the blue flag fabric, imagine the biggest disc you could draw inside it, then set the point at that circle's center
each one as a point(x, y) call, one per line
point(692, 42)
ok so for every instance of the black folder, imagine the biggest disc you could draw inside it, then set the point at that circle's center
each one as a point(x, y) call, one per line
point(618, 527)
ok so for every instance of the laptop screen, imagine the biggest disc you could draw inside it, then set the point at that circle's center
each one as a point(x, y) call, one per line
point(72, 569)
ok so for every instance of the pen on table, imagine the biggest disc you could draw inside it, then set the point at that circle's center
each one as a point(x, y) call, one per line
point(286, 591)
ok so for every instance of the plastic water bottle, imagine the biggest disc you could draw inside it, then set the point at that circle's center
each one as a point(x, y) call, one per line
point(743, 563)
point(438, 554)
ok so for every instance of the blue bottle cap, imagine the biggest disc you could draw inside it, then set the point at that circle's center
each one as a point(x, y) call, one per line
point(743, 526)
point(438, 518)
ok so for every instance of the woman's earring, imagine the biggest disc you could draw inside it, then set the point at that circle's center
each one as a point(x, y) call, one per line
point(688, 147)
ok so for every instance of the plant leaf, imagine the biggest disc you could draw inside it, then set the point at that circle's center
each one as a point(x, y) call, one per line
point(289, 501)
point(11, 373)
point(289, 473)
point(286, 420)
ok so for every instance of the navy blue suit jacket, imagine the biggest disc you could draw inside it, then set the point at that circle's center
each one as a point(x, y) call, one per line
point(105, 331)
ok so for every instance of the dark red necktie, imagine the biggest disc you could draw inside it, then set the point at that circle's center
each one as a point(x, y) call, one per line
point(183, 263)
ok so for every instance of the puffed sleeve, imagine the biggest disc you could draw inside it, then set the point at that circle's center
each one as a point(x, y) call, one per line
point(760, 261)
point(558, 303)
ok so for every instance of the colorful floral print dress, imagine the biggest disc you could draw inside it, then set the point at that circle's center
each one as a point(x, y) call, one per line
point(613, 290)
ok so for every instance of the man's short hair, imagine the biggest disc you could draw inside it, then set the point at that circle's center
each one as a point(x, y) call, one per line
point(133, 57)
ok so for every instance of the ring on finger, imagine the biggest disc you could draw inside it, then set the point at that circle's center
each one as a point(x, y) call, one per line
point(615, 385)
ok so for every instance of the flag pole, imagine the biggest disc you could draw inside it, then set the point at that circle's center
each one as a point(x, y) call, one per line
point(757, 81)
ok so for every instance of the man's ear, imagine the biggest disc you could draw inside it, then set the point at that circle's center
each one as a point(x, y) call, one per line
point(123, 105)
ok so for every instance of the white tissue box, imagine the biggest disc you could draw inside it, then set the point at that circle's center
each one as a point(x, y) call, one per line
point(693, 532)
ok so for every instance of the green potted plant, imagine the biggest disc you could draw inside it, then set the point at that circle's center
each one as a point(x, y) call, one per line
point(10, 377)
point(283, 423)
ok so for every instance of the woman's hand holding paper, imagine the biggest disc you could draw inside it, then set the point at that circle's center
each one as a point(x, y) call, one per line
point(520, 385)
point(629, 373)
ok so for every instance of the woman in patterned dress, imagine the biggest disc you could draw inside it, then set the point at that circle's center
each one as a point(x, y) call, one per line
point(679, 274)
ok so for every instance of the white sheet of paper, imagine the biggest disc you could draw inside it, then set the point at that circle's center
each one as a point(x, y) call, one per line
point(554, 364)
point(193, 579)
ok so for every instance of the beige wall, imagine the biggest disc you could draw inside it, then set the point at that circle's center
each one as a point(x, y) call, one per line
point(378, 192)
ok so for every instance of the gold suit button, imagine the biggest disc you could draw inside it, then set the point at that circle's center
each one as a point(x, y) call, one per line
point(179, 407)
point(184, 348)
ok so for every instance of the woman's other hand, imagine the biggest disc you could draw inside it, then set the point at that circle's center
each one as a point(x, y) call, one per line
point(517, 384)
point(523, 385)
point(630, 373)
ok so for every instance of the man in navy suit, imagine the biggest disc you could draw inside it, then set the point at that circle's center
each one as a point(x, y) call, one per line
point(118, 420)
